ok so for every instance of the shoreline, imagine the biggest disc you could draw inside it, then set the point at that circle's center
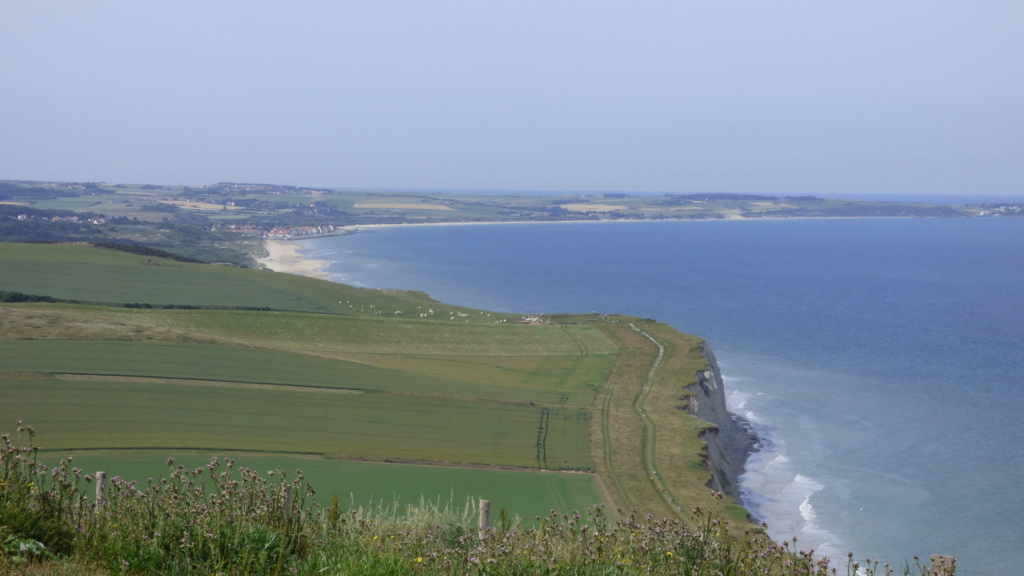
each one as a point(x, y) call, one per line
point(734, 440)
point(286, 257)
point(283, 255)
point(355, 228)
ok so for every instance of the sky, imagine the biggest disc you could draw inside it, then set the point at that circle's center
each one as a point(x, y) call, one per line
point(781, 97)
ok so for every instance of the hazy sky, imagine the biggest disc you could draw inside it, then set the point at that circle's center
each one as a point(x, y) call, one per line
point(801, 96)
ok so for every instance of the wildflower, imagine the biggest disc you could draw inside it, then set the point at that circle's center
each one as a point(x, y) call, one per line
point(419, 559)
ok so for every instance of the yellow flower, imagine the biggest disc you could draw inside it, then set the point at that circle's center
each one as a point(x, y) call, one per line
point(669, 553)
point(420, 559)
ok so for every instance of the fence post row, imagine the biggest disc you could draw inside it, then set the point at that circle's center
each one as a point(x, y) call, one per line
point(941, 565)
point(485, 518)
point(287, 501)
point(101, 484)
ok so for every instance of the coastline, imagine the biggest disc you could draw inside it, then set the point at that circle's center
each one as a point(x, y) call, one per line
point(285, 256)
point(782, 485)
point(731, 439)
point(355, 228)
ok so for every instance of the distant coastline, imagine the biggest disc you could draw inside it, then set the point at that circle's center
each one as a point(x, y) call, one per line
point(285, 256)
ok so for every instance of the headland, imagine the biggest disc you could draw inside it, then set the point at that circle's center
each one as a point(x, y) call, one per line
point(729, 439)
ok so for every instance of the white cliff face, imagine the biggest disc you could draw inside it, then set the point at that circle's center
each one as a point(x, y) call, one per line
point(728, 441)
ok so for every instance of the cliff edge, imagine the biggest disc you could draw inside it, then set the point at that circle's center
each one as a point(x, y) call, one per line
point(729, 439)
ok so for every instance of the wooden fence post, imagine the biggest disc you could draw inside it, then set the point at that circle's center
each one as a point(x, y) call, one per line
point(101, 485)
point(943, 565)
point(287, 501)
point(485, 518)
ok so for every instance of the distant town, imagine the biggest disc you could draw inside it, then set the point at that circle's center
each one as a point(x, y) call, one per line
point(227, 221)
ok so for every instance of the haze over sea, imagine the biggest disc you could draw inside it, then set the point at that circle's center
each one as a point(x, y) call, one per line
point(880, 359)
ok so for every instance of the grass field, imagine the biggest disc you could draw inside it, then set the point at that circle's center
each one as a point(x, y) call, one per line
point(127, 413)
point(523, 493)
point(110, 277)
point(341, 380)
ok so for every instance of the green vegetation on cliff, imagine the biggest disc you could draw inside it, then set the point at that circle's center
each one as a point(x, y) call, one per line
point(185, 381)
point(143, 353)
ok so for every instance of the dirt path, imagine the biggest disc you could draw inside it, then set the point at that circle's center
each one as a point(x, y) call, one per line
point(650, 429)
point(632, 476)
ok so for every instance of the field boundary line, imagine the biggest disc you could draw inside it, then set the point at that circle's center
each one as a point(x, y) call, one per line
point(316, 456)
point(579, 359)
point(542, 438)
point(129, 379)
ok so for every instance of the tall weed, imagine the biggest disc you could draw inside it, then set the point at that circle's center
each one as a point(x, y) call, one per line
point(225, 519)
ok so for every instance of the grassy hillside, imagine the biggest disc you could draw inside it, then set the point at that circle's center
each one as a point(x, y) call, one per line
point(145, 357)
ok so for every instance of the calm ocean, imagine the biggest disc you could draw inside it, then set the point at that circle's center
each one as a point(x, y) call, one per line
point(880, 359)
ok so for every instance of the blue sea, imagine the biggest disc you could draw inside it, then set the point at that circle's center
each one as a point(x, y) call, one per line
point(880, 360)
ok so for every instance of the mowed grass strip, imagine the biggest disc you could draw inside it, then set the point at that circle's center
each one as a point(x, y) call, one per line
point(564, 380)
point(571, 359)
point(680, 455)
point(679, 452)
point(122, 414)
point(214, 362)
point(521, 493)
point(200, 362)
point(536, 363)
point(392, 335)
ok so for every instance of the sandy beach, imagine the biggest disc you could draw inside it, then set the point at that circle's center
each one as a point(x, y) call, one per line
point(284, 256)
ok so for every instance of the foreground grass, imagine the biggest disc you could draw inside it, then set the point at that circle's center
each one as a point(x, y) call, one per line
point(219, 519)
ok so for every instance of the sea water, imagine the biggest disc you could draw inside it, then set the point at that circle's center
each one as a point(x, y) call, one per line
point(880, 360)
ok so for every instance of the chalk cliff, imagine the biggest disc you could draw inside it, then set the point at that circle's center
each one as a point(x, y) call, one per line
point(729, 439)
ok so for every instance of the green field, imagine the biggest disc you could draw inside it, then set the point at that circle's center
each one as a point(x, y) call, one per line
point(263, 204)
point(144, 357)
point(523, 493)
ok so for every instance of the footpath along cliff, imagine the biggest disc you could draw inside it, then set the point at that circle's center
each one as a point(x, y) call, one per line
point(730, 440)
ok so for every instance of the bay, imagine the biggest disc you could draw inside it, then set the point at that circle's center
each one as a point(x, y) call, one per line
point(878, 358)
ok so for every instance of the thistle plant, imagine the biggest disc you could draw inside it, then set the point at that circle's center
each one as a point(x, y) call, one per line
point(225, 519)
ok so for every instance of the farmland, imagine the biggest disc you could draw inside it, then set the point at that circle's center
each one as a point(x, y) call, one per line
point(360, 483)
point(142, 358)
point(225, 222)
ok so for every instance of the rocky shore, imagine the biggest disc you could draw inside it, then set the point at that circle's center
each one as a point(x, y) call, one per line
point(729, 439)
